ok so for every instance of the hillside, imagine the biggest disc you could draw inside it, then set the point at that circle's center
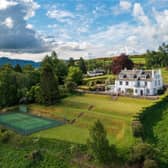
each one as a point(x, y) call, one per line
point(13, 62)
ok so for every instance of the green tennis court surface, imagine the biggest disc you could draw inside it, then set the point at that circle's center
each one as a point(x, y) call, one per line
point(26, 124)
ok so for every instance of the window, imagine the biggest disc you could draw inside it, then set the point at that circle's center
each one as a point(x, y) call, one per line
point(136, 91)
point(127, 83)
point(159, 82)
point(146, 83)
point(148, 91)
point(155, 83)
point(120, 82)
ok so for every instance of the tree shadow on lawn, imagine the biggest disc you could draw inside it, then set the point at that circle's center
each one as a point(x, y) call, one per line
point(151, 116)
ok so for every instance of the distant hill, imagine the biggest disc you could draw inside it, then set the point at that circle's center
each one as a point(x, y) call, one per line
point(13, 62)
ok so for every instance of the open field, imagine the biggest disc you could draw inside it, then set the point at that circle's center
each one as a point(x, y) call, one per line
point(138, 60)
point(116, 116)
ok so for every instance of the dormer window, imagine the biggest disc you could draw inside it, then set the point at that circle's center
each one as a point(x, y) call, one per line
point(124, 76)
point(147, 76)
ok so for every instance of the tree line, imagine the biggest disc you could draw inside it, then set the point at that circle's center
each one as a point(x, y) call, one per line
point(47, 85)
point(157, 59)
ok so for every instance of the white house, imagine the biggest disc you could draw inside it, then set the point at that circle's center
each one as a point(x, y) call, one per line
point(95, 72)
point(138, 82)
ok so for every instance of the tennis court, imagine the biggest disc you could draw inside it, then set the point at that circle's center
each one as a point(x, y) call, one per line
point(26, 124)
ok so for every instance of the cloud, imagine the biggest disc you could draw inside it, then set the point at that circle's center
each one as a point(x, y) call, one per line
point(4, 4)
point(125, 5)
point(30, 7)
point(162, 24)
point(60, 15)
point(134, 38)
point(29, 26)
point(87, 30)
point(8, 22)
point(139, 14)
point(15, 33)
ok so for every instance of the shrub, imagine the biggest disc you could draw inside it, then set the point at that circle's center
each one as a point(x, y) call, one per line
point(34, 157)
point(63, 91)
point(109, 81)
point(143, 151)
point(70, 86)
point(93, 88)
point(91, 83)
point(4, 137)
point(148, 163)
point(137, 129)
point(2, 129)
point(161, 91)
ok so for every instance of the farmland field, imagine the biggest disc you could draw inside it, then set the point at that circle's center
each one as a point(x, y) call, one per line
point(116, 115)
point(138, 60)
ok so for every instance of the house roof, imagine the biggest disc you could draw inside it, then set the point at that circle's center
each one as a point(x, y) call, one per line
point(145, 75)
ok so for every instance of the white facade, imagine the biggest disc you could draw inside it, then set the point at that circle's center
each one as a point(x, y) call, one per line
point(138, 82)
point(95, 72)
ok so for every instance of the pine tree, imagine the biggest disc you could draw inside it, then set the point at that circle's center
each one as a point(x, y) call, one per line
point(71, 62)
point(8, 88)
point(99, 144)
point(49, 85)
point(82, 65)
point(18, 68)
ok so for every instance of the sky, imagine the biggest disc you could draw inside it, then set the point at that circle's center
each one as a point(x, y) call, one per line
point(31, 29)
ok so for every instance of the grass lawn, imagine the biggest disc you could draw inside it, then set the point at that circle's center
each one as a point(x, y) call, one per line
point(102, 77)
point(138, 60)
point(116, 116)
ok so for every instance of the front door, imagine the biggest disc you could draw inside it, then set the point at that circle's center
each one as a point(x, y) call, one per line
point(141, 92)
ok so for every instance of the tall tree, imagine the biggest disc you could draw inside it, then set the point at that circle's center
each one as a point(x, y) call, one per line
point(49, 85)
point(99, 144)
point(71, 62)
point(82, 65)
point(157, 58)
point(8, 88)
point(18, 68)
point(59, 67)
point(75, 75)
point(121, 62)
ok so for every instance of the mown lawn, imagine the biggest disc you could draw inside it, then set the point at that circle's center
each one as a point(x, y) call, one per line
point(138, 60)
point(116, 115)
